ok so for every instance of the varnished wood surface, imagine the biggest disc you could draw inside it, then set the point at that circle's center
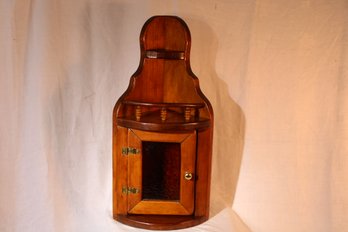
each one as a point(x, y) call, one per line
point(185, 205)
point(120, 162)
point(163, 54)
point(158, 222)
point(154, 123)
point(163, 102)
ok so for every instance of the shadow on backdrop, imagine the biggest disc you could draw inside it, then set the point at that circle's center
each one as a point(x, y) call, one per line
point(229, 119)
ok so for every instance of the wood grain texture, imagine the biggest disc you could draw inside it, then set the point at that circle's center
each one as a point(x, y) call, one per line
point(185, 205)
point(120, 164)
point(134, 170)
point(160, 222)
point(163, 104)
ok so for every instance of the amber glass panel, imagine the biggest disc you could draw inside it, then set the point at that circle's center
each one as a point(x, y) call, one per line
point(161, 171)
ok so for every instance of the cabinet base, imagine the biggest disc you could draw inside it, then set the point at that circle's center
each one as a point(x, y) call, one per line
point(160, 222)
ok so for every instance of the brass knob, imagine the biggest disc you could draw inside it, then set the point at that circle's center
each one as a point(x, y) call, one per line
point(188, 176)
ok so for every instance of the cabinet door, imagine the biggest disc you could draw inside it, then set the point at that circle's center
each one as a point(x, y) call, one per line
point(161, 173)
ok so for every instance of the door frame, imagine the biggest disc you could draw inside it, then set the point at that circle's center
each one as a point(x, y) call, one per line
point(183, 206)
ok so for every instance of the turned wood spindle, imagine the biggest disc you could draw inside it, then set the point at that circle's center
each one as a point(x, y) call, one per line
point(163, 114)
point(193, 112)
point(187, 113)
point(138, 113)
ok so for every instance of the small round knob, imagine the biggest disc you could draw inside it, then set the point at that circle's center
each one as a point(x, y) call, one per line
point(188, 176)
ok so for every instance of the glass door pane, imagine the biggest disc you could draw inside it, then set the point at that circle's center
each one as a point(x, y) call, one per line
point(156, 173)
point(161, 163)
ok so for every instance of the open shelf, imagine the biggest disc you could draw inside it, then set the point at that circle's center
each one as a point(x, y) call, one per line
point(163, 116)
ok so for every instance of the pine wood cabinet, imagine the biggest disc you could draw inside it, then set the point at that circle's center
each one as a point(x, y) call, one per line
point(162, 135)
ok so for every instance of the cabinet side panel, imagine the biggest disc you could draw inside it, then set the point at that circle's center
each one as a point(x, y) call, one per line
point(203, 170)
point(120, 164)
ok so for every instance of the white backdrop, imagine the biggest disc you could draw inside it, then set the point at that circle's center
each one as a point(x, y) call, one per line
point(276, 72)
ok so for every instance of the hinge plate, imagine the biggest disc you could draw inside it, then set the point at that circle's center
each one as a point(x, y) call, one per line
point(130, 190)
point(130, 151)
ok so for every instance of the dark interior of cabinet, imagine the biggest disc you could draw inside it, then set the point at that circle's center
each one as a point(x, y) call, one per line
point(161, 171)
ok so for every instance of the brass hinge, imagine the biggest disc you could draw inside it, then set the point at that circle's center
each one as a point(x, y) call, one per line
point(130, 150)
point(130, 190)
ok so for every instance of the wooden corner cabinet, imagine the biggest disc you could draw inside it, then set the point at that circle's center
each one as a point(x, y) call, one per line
point(162, 135)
